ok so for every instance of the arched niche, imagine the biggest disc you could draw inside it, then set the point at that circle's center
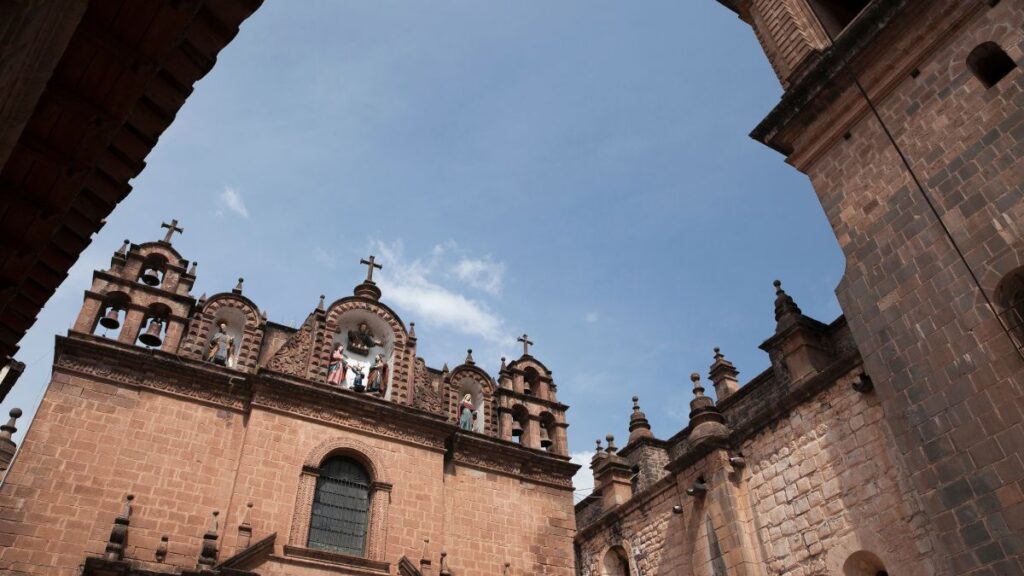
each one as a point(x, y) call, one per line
point(473, 381)
point(364, 335)
point(113, 310)
point(615, 562)
point(243, 324)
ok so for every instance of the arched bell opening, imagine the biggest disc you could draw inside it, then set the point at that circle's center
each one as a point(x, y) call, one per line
point(155, 325)
point(531, 381)
point(520, 424)
point(226, 333)
point(476, 393)
point(153, 269)
point(547, 431)
point(112, 315)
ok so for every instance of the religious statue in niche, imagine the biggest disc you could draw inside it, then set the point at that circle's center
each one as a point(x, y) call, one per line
point(467, 413)
point(357, 378)
point(338, 367)
point(222, 347)
point(362, 339)
point(377, 381)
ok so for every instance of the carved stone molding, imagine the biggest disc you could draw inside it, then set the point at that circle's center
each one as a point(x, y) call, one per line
point(361, 451)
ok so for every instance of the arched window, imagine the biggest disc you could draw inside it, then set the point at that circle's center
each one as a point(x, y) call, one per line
point(521, 425)
point(547, 431)
point(989, 63)
point(152, 271)
point(531, 381)
point(615, 563)
point(836, 15)
point(155, 324)
point(1010, 298)
point(341, 505)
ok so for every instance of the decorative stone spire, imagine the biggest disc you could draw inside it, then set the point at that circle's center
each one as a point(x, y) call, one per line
point(700, 402)
point(208, 552)
point(412, 330)
point(425, 569)
point(785, 307)
point(599, 454)
point(508, 569)
point(320, 306)
point(245, 528)
point(119, 533)
point(123, 251)
point(192, 269)
point(238, 287)
point(7, 445)
point(723, 375)
point(444, 372)
point(444, 565)
point(504, 366)
point(469, 357)
point(202, 301)
point(161, 550)
point(611, 449)
point(639, 427)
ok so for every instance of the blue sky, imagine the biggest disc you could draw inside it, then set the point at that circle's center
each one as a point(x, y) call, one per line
point(578, 170)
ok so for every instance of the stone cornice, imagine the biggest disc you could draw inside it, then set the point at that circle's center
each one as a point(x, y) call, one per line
point(639, 499)
point(642, 441)
point(529, 398)
point(155, 290)
point(479, 451)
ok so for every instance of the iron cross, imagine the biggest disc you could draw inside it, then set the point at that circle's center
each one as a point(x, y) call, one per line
point(526, 344)
point(370, 265)
point(171, 229)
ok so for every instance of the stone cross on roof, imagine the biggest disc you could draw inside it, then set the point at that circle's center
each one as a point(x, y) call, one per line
point(370, 265)
point(526, 344)
point(171, 229)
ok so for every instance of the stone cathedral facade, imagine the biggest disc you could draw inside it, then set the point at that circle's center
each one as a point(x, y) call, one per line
point(184, 435)
point(891, 440)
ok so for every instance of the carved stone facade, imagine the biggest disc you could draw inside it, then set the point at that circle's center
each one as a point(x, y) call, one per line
point(244, 443)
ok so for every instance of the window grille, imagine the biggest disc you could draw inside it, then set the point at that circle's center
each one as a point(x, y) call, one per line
point(341, 506)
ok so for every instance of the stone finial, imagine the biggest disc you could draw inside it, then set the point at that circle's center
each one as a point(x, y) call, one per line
point(611, 449)
point(444, 564)
point(202, 300)
point(507, 570)
point(208, 552)
point(320, 306)
point(412, 330)
point(425, 562)
point(444, 372)
point(238, 287)
point(785, 306)
point(263, 315)
point(7, 445)
point(700, 401)
point(723, 375)
point(119, 533)
point(599, 454)
point(469, 357)
point(161, 550)
point(639, 427)
point(192, 269)
point(123, 251)
point(245, 528)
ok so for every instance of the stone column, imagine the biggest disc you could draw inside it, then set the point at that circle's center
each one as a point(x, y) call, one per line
point(303, 507)
point(133, 319)
point(88, 316)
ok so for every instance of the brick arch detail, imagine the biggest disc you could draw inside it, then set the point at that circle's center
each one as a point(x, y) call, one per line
point(487, 385)
point(200, 329)
point(364, 453)
point(380, 493)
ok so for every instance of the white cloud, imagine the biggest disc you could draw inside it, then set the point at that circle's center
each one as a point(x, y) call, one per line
point(411, 285)
point(324, 257)
point(483, 274)
point(591, 317)
point(233, 200)
point(583, 481)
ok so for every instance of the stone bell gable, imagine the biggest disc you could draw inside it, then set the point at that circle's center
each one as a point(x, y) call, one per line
point(249, 447)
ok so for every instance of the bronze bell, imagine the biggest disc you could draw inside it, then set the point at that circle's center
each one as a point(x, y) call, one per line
point(517, 428)
point(149, 277)
point(110, 320)
point(152, 335)
point(545, 440)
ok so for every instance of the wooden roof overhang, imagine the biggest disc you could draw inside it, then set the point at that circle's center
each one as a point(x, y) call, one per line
point(128, 68)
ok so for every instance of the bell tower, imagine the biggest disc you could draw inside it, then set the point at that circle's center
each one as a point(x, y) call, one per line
point(143, 298)
point(906, 117)
point(528, 407)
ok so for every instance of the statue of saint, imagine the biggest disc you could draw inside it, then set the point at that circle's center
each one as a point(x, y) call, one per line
point(362, 339)
point(377, 381)
point(338, 367)
point(467, 413)
point(357, 380)
point(222, 347)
